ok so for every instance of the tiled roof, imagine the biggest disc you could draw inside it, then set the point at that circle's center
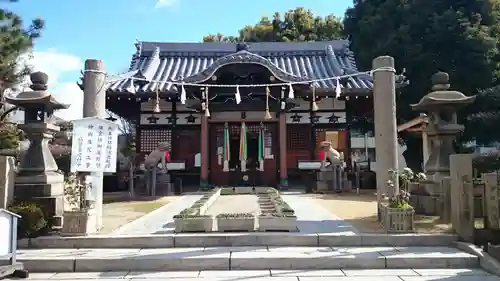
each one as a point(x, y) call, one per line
point(196, 62)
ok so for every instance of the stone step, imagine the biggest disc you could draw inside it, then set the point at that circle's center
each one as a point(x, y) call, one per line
point(464, 274)
point(239, 239)
point(244, 258)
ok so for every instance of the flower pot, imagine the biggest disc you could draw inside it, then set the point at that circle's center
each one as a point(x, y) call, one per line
point(398, 219)
point(79, 223)
point(236, 224)
point(272, 223)
point(194, 224)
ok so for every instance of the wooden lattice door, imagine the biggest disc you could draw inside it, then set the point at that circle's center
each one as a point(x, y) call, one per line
point(150, 138)
point(216, 143)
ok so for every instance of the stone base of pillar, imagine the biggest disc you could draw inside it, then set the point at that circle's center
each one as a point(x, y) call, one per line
point(204, 184)
point(284, 183)
point(49, 195)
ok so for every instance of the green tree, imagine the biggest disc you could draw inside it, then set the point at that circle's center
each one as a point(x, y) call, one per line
point(16, 40)
point(456, 36)
point(219, 38)
point(299, 24)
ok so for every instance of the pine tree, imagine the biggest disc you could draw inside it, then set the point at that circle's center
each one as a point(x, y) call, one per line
point(16, 40)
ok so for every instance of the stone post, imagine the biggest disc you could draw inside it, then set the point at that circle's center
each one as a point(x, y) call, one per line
point(386, 142)
point(491, 200)
point(283, 157)
point(446, 199)
point(460, 170)
point(7, 176)
point(94, 105)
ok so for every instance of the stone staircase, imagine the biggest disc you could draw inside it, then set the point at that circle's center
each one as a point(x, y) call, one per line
point(265, 252)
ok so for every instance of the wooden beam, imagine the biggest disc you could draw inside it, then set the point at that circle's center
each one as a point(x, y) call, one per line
point(421, 120)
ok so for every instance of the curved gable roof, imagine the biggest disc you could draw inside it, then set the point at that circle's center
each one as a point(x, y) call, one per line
point(292, 62)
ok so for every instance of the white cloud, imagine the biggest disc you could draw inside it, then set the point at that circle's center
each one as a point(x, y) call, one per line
point(164, 3)
point(69, 93)
point(55, 65)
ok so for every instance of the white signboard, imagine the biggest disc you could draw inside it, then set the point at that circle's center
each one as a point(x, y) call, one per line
point(309, 165)
point(94, 145)
point(5, 223)
point(93, 183)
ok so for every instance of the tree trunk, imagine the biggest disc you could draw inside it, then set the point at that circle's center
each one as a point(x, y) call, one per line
point(131, 178)
point(413, 154)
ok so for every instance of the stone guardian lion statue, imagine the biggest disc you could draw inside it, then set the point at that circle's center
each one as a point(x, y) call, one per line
point(331, 155)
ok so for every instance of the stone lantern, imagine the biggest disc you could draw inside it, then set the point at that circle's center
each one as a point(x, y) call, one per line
point(441, 106)
point(37, 178)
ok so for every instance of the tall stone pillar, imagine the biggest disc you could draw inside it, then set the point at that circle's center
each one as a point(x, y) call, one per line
point(204, 151)
point(94, 105)
point(282, 143)
point(386, 142)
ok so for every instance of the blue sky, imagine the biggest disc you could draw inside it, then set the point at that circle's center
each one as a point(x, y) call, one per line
point(107, 29)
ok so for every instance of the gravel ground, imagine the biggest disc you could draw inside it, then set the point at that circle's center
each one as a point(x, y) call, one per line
point(234, 204)
point(361, 212)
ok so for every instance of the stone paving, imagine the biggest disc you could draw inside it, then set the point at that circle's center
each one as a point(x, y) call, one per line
point(243, 258)
point(281, 275)
point(311, 218)
point(160, 220)
point(234, 204)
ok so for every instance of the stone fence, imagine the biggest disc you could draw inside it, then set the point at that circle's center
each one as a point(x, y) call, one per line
point(466, 199)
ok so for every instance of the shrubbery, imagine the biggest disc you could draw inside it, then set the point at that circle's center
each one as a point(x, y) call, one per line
point(32, 222)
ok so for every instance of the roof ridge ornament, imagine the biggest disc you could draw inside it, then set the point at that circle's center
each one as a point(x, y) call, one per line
point(242, 46)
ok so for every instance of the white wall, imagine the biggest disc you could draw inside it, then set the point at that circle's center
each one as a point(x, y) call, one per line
point(359, 144)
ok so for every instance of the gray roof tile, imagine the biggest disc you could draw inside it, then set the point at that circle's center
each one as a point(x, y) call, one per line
point(170, 62)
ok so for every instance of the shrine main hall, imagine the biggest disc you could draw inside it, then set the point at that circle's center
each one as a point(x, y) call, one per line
point(230, 110)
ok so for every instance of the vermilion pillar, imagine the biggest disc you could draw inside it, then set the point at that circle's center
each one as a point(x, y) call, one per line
point(204, 151)
point(282, 142)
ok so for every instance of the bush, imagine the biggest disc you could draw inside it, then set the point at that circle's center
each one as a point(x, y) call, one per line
point(487, 163)
point(32, 222)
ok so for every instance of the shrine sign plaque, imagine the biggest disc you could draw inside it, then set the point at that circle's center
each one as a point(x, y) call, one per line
point(94, 145)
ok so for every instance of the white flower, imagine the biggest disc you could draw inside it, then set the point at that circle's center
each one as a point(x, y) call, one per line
point(421, 177)
point(407, 170)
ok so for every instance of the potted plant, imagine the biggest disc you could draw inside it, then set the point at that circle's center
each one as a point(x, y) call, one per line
point(79, 218)
point(410, 181)
point(398, 214)
point(235, 222)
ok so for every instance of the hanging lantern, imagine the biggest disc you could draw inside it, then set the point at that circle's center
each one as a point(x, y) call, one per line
point(237, 95)
point(314, 104)
point(267, 116)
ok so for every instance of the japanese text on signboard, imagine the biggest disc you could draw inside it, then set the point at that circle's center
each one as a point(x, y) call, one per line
point(94, 147)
